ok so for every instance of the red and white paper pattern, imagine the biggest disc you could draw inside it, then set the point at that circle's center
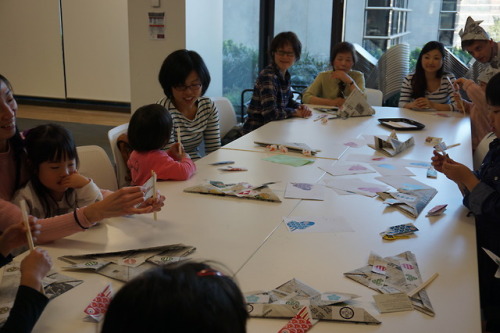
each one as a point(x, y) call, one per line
point(99, 305)
point(301, 323)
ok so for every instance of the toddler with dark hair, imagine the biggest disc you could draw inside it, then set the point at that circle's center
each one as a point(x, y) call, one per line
point(149, 131)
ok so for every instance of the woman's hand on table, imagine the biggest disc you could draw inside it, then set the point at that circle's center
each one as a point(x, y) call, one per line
point(422, 103)
point(302, 111)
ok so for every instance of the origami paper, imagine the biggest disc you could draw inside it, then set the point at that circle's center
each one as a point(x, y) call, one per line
point(391, 275)
point(288, 299)
point(54, 284)
point(392, 145)
point(125, 265)
point(293, 146)
point(239, 190)
point(355, 105)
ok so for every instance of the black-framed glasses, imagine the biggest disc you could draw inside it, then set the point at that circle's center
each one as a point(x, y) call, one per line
point(192, 87)
point(287, 54)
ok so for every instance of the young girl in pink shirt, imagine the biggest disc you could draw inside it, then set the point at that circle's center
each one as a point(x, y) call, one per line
point(149, 130)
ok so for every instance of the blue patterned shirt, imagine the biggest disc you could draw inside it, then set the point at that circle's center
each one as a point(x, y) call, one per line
point(271, 100)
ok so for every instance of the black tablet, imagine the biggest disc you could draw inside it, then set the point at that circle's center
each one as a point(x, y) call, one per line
point(401, 124)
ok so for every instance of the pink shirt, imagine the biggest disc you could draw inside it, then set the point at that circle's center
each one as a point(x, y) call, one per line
point(165, 167)
point(480, 124)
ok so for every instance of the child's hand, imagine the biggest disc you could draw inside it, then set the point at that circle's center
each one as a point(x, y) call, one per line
point(176, 151)
point(15, 235)
point(34, 268)
point(75, 180)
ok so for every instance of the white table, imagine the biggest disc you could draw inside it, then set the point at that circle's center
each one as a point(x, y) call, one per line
point(444, 244)
point(250, 239)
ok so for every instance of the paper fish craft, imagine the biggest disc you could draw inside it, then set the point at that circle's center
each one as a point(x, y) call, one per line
point(355, 105)
point(240, 190)
point(391, 275)
point(392, 145)
point(411, 202)
point(125, 265)
point(288, 299)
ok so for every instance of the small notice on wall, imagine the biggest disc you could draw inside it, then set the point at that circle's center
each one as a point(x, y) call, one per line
point(156, 25)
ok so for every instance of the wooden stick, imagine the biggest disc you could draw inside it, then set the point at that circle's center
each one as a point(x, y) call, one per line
point(155, 195)
point(458, 93)
point(29, 236)
point(422, 286)
point(24, 213)
point(453, 145)
point(179, 139)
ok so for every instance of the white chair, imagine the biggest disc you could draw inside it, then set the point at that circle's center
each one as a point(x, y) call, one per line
point(227, 116)
point(120, 167)
point(95, 164)
point(374, 97)
point(481, 150)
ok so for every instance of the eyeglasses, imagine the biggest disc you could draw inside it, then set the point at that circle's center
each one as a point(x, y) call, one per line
point(283, 54)
point(192, 87)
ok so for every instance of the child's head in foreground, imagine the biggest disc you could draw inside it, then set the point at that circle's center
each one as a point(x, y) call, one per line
point(189, 297)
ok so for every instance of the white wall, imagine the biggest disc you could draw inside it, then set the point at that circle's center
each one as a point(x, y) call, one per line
point(96, 49)
point(31, 52)
point(204, 35)
point(147, 55)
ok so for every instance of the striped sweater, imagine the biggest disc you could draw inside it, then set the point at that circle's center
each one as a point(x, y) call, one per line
point(443, 95)
point(203, 128)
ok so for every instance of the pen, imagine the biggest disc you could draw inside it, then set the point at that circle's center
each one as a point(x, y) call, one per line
point(222, 163)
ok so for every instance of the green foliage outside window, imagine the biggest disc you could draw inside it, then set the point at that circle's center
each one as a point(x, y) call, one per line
point(240, 69)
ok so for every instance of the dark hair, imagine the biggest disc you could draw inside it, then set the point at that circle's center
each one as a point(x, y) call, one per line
point(49, 143)
point(176, 68)
point(150, 128)
point(16, 144)
point(343, 47)
point(492, 91)
point(190, 297)
point(467, 43)
point(418, 82)
point(281, 40)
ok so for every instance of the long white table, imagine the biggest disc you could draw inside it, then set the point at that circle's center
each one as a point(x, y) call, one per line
point(444, 244)
point(250, 239)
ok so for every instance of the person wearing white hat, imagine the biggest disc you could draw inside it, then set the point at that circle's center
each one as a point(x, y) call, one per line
point(477, 42)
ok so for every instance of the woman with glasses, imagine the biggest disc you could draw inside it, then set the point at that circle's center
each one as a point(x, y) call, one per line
point(333, 87)
point(272, 94)
point(184, 78)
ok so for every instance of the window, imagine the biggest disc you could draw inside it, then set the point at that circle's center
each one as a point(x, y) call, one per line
point(314, 32)
point(385, 24)
point(249, 26)
point(447, 22)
